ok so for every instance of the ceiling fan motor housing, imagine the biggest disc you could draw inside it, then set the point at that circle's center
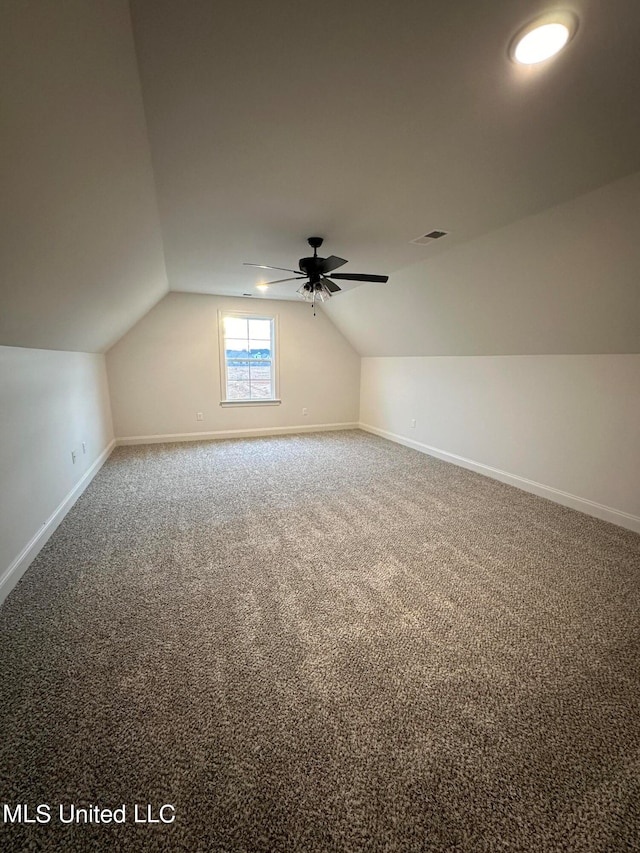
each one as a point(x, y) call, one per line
point(311, 266)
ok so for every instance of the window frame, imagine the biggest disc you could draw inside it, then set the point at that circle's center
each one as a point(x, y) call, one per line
point(275, 374)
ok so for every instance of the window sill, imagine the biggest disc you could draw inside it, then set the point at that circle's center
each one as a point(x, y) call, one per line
point(227, 404)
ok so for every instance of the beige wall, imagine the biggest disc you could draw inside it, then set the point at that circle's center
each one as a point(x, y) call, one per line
point(166, 369)
point(517, 353)
point(51, 403)
point(568, 423)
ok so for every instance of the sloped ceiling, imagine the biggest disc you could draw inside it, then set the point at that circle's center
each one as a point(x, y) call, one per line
point(370, 123)
point(565, 281)
point(367, 123)
point(80, 245)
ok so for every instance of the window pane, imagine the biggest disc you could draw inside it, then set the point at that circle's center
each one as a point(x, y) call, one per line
point(235, 327)
point(237, 390)
point(259, 348)
point(261, 390)
point(236, 347)
point(260, 372)
point(237, 371)
point(260, 329)
point(248, 355)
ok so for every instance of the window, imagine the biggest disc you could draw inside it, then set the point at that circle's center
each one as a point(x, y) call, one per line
point(248, 359)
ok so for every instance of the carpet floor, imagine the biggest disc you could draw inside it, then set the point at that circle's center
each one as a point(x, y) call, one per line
point(321, 643)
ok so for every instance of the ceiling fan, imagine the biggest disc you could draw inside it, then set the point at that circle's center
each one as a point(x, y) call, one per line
point(316, 270)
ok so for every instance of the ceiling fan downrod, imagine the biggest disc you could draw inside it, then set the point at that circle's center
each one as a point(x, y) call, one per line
point(315, 243)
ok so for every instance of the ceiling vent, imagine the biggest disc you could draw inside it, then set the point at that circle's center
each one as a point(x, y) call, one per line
point(429, 238)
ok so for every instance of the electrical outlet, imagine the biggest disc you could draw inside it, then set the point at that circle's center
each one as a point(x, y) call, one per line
point(73, 457)
point(84, 446)
point(305, 412)
point(413, 423)
point(199, 416)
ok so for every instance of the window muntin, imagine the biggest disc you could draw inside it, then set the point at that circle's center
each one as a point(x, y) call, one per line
point(248, 356)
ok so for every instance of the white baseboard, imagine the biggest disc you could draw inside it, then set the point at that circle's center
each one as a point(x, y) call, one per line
point(229, 433)
point(607, 513)
point(28, 554)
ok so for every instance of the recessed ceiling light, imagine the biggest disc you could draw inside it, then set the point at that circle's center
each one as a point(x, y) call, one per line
point(543, 38)
point(262, 286)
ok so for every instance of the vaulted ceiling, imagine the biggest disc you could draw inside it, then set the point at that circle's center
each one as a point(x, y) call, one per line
point(80, 244)
point(238, 129)
point(370, 124)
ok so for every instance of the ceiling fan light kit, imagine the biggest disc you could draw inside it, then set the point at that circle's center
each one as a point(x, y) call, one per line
point(318, 285)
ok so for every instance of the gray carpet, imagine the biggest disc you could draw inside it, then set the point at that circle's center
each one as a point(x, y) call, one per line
point(324, 642)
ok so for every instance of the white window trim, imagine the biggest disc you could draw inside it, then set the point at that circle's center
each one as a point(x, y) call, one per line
point(275, 361)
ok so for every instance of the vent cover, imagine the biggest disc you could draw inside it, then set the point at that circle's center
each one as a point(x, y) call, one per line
point(436, 234)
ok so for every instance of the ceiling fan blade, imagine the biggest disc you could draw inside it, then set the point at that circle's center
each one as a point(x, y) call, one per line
point(331, 263)
point(265, 267)
point(280, 280)
point(355, 276)
point(331, 286)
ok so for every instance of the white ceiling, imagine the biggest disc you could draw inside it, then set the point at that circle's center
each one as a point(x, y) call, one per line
point(370, 123)
point(562, 281)
point(215, 132)
point(80, 244)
